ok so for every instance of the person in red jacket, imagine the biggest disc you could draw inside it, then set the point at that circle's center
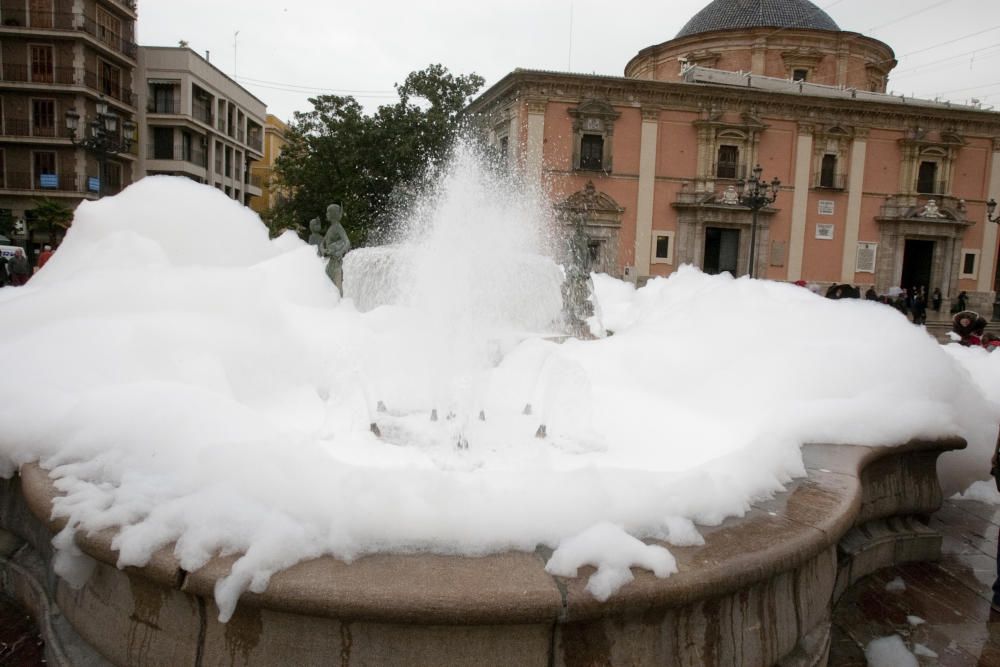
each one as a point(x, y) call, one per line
point(44, 256)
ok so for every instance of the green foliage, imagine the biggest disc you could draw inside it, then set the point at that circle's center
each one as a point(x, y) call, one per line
point(50, 214)
point(337, 153)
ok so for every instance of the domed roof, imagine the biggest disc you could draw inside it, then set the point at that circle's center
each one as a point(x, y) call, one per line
point(735, 14)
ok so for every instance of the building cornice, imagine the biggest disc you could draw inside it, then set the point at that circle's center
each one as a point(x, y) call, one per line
point(694, 97)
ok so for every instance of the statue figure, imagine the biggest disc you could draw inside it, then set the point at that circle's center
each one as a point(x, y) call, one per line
point(931, 210)
point(576, 287)
point(730, 197)
point(335, 245)
point(316, 234)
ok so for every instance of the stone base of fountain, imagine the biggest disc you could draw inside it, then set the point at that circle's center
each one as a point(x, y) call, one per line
point(759, 592)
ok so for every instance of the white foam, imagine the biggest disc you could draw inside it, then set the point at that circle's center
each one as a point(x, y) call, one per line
point(205, 389)
point(889, 652)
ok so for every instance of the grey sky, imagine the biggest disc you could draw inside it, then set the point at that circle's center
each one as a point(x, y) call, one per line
point(363, 48)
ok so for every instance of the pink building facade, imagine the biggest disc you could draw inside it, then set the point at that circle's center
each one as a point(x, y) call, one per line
point(876, 189)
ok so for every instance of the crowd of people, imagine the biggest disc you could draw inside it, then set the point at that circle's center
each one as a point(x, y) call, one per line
point(15, 269)
point(970, 327)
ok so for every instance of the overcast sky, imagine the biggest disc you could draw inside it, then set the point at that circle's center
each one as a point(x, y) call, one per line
point(289, 50)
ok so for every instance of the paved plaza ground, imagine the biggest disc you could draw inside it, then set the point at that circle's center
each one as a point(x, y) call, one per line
point(952, 597)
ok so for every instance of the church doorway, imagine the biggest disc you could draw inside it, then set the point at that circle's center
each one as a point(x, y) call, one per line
point(722, 248)
point(918, 258)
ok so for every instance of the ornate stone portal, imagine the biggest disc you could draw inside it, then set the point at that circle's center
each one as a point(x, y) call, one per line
point(601, 219)
point(699, 211)
point(940, 221)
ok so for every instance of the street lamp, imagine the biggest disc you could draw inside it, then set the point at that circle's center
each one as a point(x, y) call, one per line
point(101, 137)
point(755, 194)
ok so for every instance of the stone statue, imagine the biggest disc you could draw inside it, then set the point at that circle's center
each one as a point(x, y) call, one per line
point(316, 234)
point(335, 245)
point(576, 288)
point(931, 210)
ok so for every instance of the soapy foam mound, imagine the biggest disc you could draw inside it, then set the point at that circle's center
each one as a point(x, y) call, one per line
point(199, 387)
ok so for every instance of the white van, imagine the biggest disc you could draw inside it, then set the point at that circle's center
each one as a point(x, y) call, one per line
point(8, 251)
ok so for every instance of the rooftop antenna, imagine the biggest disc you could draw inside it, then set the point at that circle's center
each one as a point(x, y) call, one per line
point(235, 53)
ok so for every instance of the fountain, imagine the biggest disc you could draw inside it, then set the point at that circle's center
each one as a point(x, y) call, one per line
point(241, 467)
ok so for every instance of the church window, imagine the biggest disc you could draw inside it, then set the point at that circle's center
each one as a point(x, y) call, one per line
point(728, 163)
point(591, 152)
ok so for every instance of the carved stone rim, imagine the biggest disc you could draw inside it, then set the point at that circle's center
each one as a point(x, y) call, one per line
point(421, 588)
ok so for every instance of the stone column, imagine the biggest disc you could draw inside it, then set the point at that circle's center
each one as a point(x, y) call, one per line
point(647, 181)
point(800, 201)
point(535, 139)
point(988, 255)
point(855, 191)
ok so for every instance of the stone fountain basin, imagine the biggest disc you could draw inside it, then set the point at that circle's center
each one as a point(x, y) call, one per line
point(759, 592)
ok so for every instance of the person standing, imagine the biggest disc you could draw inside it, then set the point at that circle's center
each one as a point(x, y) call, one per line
point(936, 300)
point(18, 268)
point(45, 256)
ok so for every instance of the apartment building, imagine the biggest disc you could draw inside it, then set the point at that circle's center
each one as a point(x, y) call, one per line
point(59, 56)
point(262, 172)
point(197, 122)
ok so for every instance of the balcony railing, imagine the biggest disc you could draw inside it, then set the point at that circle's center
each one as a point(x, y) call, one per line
point(23, 180)
point(171, 106)
point(204, 114)
point(830, 181)
point(256, 181)
point(107, 88)
point(19, 18)
point(66, 76)
point(255, 141)
point(736, 172)
point(131, 5)
point(22, 127)
point(931, 187)
point(24, 74)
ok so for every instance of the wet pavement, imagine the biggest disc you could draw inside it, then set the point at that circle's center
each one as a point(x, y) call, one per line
point(941, 608)
point(20, 645)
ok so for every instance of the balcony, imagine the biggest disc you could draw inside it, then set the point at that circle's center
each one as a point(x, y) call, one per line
point(69, 22)
point(23, 180)
point(830, 181)
point(165, 106)
point(202, 113)
point(108, 88)
point(130, 5)
point(255, 141)
point(22, 127)
point(928, 187)
point(729, 171)
point(66, 76)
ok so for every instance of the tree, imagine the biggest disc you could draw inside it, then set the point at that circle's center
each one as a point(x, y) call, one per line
point(50, 217)
point(337, 153)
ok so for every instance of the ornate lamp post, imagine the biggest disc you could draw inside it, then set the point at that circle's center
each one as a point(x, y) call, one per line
point(755, 194)
point(101, 137)
point(991, 207)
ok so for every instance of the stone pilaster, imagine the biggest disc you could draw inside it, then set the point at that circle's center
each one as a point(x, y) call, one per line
point(800, 201)
point(855, 192)
point(988, 256)
point(647, 182)
point(535, 139)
